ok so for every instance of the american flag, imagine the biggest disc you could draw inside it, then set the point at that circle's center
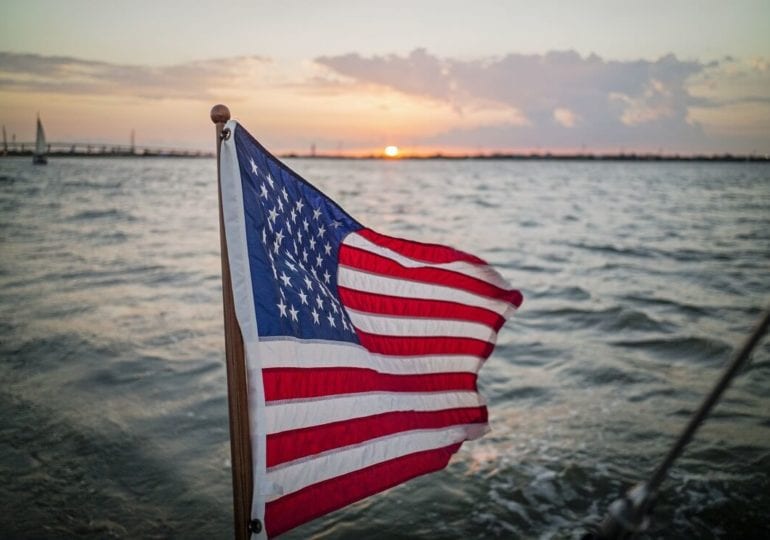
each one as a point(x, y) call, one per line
point(362, 349)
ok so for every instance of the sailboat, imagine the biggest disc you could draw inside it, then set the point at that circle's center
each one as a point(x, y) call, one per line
point(39, 156)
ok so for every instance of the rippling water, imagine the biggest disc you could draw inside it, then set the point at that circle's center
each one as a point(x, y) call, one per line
point(639, 281)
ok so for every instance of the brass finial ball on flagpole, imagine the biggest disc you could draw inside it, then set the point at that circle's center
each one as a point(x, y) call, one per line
point(220, 114)
point(237, 389)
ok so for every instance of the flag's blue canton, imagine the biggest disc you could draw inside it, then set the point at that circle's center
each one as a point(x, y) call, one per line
point(293, 233)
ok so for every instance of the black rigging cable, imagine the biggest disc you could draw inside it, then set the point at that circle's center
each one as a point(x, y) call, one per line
point(629, 515)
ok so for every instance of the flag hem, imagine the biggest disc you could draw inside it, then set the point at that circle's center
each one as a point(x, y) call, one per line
point(240, 274)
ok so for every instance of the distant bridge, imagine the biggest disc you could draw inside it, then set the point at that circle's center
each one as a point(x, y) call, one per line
point(81, 149)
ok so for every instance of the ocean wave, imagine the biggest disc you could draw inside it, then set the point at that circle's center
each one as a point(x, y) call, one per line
point(699, 348)
point(611, 319)
point(112, 214)
point(611, 249)
point(600, 375)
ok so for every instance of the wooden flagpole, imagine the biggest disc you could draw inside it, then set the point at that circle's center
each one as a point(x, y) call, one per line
point(237, 385)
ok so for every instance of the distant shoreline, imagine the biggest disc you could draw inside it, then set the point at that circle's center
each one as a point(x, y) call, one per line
point(108, 154)
point(705, 158)
point(710, 158)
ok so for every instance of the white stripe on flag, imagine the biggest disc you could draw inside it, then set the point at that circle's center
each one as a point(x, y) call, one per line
point(482, 272)
point(293, 353)
point(377, 284)
point(422, 327)
point(296, 414)
point(306, 472)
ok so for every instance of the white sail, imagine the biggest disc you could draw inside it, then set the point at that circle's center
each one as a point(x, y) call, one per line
point(40, 146)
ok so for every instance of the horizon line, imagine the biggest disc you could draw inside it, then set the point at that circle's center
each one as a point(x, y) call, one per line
point(546, 155)
point(147, 152)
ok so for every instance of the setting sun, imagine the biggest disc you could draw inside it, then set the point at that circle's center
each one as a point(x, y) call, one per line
point(391, 151)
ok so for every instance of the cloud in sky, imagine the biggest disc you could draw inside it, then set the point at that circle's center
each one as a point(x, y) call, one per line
point(560, 97)
point(66, 75)
point(535, 83)
point(555, 100)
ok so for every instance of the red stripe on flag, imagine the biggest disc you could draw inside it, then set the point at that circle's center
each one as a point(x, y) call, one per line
point(383, 304)
point(313, 501)
point(418, 346)
point(295, 383)
point(431, 253)
point(298, 443)
point(377, 264)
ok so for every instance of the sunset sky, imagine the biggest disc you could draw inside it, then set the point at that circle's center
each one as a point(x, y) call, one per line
point(356, 76)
